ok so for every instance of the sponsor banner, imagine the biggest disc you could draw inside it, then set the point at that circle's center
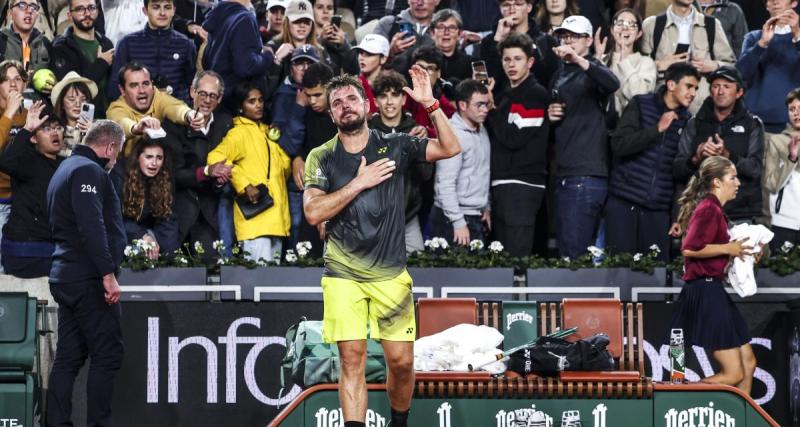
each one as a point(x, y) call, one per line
point(698, 409)
point(322, 410)
point(202, 363)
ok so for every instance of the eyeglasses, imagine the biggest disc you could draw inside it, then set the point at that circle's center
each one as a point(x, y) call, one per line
point(626, 24)
point(82, 10)
point(447, 28)
point(25, 7)
point(429, 68)
point(207, 95)
point(75, 99)
point(52, 129)
point(514, 4)
point(571, 36)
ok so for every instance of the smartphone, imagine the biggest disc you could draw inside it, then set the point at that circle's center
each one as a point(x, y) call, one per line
point(87, 112)
point(479, 72)
point(556, 97)
point(407, 29)
point(336, 21)
point(681, 48)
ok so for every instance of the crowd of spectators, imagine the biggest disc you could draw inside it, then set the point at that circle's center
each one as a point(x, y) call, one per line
point(580, 121)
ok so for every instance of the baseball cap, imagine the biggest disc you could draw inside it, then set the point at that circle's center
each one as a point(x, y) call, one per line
point(575, 24)
point(375, 44)
point(276, 3)
point(730, 74)
point(299, 9)
point(305, 51)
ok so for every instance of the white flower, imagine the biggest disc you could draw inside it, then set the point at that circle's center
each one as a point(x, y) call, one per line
point(184, 261)
point(787, 247)
point(221, 261)
point(128, 251)
point(496, 247)
point(198, 247)
point(442, 243)
point(218, 245)
point(595, 251)
point(290, 256)
point(304, 244)
point(429, 244)
point(566, 259)
point(655, 248)
point(636, 257)
point(434, 243)
point(476, 245)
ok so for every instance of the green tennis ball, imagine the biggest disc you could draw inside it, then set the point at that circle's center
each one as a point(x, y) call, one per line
point(274, 133)
point(43, 80)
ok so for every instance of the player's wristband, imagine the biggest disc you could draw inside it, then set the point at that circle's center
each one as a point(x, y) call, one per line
point(435, 106)
point(205, 170)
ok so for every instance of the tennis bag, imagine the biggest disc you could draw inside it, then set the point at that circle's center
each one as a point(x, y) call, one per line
point(309, 360)
point(549, 355)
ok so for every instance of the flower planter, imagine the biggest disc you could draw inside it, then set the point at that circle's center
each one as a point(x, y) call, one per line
point(480, 279)
point(558, 283)
point(159, 277)
point(280, 280)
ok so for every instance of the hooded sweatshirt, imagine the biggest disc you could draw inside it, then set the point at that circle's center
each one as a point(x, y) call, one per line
point(234, 47)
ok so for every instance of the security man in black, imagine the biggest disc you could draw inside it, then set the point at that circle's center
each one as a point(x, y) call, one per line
point(89, 237)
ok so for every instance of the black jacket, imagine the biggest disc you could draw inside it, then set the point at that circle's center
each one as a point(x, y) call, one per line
point(30, 172)
point(743, 136)
point(581, 143)
point(188, 151)
point(85, 219)
point(519, 132)
point(67, 56)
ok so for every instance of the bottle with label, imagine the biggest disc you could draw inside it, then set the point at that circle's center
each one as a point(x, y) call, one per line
point(677, 356)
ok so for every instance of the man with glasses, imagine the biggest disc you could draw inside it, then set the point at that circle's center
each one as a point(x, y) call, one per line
point(581, 90)
point(461, 210)
point(520, 133)
point(684, 34)
point(197, 185)
point(518, 18)
point(168, 55)
point(84, 50)
point(30, 160)
point(447, 31)
point(13, 81)
point(21, 41)
point(419, 14)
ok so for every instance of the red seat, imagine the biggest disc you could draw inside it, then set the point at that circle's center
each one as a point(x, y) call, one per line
point(437, 314)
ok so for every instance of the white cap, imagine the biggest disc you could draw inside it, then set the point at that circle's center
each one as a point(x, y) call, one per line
point(575, 24)
point(299, 9)
point(375, 44)
point(275, 3)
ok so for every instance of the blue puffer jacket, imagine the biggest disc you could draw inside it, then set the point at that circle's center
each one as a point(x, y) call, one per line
point(641, 171)
point(166, 53)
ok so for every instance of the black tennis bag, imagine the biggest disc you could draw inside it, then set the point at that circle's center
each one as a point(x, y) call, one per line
point(551, 355)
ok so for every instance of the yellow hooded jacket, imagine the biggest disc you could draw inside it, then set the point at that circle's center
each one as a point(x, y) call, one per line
point(245, 147)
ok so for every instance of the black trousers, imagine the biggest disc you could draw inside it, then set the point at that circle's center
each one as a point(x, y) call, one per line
point(514, 210)
point(87, 326)
point(632, 229)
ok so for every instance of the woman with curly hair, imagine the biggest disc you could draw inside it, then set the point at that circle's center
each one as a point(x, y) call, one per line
point(147, 198)
point(704, 311)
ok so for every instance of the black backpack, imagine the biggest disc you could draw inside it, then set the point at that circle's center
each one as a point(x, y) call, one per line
point(550, 355)
point(661, 23)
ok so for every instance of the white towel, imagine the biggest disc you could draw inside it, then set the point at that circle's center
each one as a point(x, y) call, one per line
point(455, 348)
point(740, 274)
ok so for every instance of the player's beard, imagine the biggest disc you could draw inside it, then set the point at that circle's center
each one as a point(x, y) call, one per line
point(351, 126)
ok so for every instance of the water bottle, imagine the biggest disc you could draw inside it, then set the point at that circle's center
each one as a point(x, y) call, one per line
point(677, 356)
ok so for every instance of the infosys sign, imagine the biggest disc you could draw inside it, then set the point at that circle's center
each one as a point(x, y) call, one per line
point(666, 409)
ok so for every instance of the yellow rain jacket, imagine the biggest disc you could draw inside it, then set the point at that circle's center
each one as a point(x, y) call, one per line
point(245, 146)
